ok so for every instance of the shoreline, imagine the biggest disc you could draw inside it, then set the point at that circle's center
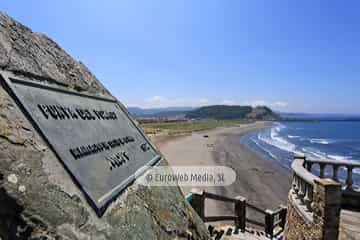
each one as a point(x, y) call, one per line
point(262, 182)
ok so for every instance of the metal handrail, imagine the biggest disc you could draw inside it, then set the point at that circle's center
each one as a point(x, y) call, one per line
point(197, 200)
point(257, 209)
point(218, 197)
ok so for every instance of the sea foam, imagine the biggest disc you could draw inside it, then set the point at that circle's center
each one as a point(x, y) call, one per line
point(321, 141)
point(338, 157)
point(264, 149)
point(291, 136)
point(275, 140)
point(313, 153)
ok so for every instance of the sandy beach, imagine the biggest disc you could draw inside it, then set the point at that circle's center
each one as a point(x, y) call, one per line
point(261, 181)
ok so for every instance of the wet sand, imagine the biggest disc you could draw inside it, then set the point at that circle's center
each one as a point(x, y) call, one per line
point(261, 181)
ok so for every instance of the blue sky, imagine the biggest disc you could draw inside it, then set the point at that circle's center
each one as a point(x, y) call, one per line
point(296, 56)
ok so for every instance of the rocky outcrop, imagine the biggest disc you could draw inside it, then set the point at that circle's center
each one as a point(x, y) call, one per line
point(38, 199)
point(263, 113)
point(226, 112)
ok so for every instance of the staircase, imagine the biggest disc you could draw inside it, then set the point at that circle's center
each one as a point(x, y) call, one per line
point(230, 233)
point(267, 225)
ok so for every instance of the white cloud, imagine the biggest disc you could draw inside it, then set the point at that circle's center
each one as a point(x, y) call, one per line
point(204, 101)
point(280, 104)
point(156, 100)
point(228, 102)
point(161, 101)
point(256, 103)
point(276, 104)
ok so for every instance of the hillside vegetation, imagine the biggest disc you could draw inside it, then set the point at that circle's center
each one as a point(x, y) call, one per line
point(224, 112)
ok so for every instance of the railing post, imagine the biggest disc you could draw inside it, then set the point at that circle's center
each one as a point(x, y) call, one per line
point(306, 194)
point(269, 223)
point(309, 197)
point(335, 173)
point(309, 166)
point(198, 202)
point(240, 213)
point(302, 191)
point(296, 184)
point(327, 207)
point(349, 179)
point(322, 169)
point(282, 216)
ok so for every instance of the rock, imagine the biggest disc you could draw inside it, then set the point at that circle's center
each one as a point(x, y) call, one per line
point(32, 54)
point(22, 188)
point(12, 178)
point(38, 199)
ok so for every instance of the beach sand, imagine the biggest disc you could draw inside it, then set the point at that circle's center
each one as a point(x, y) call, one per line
point(262, 182)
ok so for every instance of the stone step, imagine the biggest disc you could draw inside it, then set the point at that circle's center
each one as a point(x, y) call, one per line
point(230, 233)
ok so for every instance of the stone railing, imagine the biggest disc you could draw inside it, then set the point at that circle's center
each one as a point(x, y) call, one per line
point(315, 200)
point(350, 196)
point(303, 184)
point(304, 179)
point(273, 221)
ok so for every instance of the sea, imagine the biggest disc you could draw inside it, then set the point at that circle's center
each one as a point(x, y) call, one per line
point(336, 140)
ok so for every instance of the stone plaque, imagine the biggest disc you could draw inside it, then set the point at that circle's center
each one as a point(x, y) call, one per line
point(96, 140)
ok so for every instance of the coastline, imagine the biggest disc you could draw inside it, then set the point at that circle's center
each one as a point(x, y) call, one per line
point(262, 182)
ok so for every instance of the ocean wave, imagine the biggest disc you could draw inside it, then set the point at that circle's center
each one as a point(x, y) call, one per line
point(291, 136)
point(317, 154)
point(275, 137)
point(323, 141)
point(275, 140)
point(339, 157)
point(314, 153)
point(264, 149)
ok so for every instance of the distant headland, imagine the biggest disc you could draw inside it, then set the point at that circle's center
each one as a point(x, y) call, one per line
point(235, 112)
point(214, 112)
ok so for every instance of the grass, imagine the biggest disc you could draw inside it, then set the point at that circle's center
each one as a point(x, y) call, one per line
point(173, 128)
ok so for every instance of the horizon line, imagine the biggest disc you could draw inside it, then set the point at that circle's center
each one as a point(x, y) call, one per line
point(286, 112)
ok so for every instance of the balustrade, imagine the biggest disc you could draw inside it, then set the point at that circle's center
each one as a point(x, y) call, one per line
point(303, 180)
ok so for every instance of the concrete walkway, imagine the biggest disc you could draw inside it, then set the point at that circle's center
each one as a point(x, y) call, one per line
point(349, 225)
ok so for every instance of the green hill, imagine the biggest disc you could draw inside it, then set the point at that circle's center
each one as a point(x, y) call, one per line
point(224, 112)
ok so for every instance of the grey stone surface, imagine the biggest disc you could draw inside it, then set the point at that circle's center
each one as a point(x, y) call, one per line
point(33, 54)
point(38, 200)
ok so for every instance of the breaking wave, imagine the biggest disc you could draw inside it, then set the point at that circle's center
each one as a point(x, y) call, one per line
point(291, 136)
point(276, 140)
point(338, 157)
point(264, 149)
point(321, 141)
point(315, 141)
